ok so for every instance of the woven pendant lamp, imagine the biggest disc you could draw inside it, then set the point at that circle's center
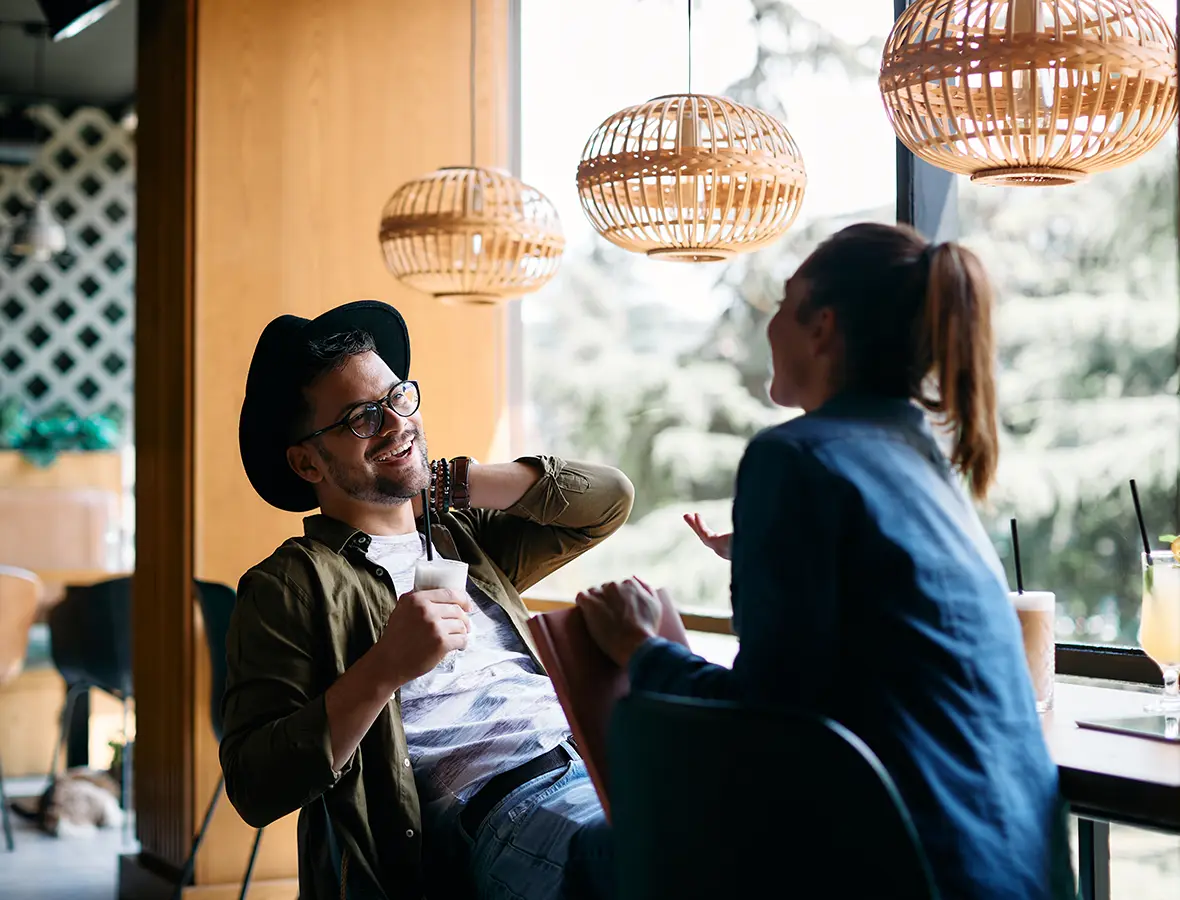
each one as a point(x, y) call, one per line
point(1030, 92)
point(467, 234)
point(690, 177)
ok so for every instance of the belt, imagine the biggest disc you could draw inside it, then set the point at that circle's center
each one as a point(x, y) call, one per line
point(477, 808)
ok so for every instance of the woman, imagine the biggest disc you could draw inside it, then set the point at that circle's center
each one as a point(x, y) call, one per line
point(864, 587)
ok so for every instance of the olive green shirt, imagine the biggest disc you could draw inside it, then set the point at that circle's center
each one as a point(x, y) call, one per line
point(317, 604)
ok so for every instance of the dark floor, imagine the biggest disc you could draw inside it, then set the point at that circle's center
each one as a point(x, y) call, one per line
point(1145, 865)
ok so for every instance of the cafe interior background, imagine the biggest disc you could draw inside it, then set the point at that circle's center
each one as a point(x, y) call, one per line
point(656, 367)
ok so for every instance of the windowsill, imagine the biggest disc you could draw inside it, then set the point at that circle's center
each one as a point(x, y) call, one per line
point(708, 623)
point(1096, 664)
point(1112, 684)
point(709, 636)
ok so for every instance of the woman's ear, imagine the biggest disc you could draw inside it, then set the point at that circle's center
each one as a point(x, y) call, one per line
point(822, 329)
point(303, 463)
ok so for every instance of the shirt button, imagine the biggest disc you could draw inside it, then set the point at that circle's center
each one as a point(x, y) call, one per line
point(380, 573)
point(409, 832)
point(406, 762)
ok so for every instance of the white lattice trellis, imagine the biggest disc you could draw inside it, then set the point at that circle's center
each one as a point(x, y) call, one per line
point(67, 325)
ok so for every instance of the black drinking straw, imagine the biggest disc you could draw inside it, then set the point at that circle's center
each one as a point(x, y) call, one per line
point(426, 513)
point(1016, 553)
point(1142, 527)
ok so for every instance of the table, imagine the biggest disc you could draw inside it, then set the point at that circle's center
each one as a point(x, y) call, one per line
point(1109, 777)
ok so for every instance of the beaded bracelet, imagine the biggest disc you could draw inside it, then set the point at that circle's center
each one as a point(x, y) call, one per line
point(440, 486)
point(445, 470)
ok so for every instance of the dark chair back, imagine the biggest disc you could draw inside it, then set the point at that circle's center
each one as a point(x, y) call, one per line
point(217, 605)
point(712, 800)
point(90, 636)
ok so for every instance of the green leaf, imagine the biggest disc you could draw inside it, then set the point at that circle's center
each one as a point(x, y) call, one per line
point(1167, 538)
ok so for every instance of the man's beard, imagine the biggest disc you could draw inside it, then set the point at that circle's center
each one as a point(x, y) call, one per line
point(369, 488)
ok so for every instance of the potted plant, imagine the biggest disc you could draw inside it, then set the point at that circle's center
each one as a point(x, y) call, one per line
point(41, 438)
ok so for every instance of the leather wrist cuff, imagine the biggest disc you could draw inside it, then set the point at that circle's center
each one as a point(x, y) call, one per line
point(460, 482)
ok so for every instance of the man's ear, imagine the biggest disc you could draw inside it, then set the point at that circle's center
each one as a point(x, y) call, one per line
point(304, 464)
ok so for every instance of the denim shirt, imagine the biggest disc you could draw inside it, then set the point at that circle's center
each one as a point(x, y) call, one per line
point(865, 589)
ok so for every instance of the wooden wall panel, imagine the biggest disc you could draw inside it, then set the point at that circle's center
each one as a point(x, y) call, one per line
point(164, 429)
point(309, 115)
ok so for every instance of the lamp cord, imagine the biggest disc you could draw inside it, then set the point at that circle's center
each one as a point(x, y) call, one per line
point(690, 46)
point(473, 32)
point(39, 87)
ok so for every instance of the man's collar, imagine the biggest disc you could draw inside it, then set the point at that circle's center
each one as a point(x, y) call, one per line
point(340, 536)
point(335, 534)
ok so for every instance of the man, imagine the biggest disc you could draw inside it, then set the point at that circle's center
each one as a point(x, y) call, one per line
point(429, 759)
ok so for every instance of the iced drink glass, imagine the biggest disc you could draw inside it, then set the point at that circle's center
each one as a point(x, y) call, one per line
point(442, 574)
point(1159, 625)
point(1036, 611)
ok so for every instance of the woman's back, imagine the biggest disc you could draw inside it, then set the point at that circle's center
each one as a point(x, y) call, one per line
point(864, 587)
point(900, 629)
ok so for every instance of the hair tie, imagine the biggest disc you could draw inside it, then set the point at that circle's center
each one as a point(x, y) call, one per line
point(926, 257)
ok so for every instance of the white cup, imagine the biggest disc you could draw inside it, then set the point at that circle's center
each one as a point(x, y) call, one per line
point(1037, 611)
point(442, 574)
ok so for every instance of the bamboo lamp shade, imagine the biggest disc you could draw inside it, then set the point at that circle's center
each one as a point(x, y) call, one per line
point(471, 235)
point(690, 177)
point(1030, 92)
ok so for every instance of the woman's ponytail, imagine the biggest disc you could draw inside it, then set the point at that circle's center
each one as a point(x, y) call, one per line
point(910, 313)
point(958, 338)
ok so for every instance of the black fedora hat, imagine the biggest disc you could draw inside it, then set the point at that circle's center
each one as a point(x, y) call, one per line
point(278, 370)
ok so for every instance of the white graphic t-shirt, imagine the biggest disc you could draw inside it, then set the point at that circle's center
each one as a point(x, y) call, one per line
point(482, 710)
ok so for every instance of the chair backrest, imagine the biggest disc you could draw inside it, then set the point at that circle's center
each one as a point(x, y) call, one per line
point(57, 528)
point(712, 800)
point(217, 605)
point(20, 592)
point(90, 635)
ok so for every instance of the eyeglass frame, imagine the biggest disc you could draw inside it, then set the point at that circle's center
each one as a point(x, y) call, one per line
point(382, 405)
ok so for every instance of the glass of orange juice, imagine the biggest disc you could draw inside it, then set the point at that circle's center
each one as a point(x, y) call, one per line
point(1159, 624)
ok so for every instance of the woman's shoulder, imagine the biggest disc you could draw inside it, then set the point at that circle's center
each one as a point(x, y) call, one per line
point(797, 438)
point(786, 452)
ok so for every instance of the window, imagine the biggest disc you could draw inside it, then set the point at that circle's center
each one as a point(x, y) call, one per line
point(662, 368)
point(1088, 290)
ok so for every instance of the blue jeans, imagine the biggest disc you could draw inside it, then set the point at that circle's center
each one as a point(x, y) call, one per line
point(547, 840)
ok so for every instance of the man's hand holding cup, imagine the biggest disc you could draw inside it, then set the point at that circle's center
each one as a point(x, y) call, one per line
point(425, 626)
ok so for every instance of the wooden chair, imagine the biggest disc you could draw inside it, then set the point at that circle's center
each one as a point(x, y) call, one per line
point(20, 593)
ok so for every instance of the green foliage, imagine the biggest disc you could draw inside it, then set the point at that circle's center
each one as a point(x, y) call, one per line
point(41, 438)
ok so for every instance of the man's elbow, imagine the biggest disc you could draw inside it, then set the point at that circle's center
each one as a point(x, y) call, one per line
point(618, 487)
point(254, 816)
point(247, 792)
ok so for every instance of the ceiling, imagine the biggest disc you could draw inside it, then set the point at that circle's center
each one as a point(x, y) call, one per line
point(95, 67)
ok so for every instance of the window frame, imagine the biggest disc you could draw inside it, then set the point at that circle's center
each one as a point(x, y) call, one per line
point(927, 199)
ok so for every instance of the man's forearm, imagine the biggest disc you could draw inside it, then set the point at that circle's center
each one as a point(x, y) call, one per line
point(353, 703)
point(500, 485)
point(494, 486)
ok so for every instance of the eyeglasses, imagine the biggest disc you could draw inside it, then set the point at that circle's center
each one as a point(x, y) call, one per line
point(366, 419)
